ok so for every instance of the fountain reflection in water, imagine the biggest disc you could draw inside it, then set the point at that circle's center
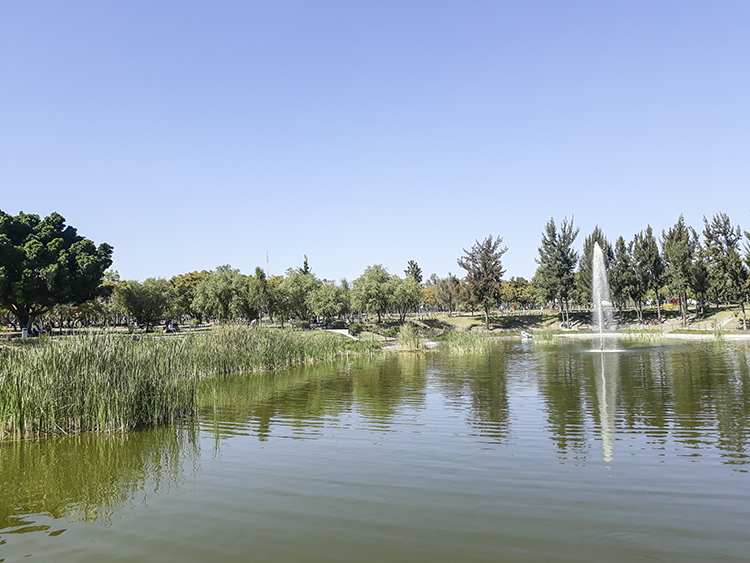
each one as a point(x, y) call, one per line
point(600, 293)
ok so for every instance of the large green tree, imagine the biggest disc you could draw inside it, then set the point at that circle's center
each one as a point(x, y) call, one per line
point(679, 246)
point(484, 273)
point(370, 291)
point(149, 302)
point(448, 290)
point(44, 262)
point(648, 264)
point(413, 270)
point(224, 295)
point(184, 292)
point(727, 273)
point(329, 300)
point(297, 287)
point(555, 276)
point(406, 295)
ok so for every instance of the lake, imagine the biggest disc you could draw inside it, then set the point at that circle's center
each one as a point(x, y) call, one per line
point(531, 452)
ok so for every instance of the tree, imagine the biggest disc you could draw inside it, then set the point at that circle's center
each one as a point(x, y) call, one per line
point(447, 294)
point(44, 263)
point(557, 261)
point(484, 272)
point(406, 294)
point(258, 292)
point(648, 264)
point(679, 245)
point(413, 270)
point(224, 295)
point(727, 273)
point(524, 292)
point(625, 283)
point(370, 291)
point(184, 292)
point(149, 301)
point(297, 288)
point(329, 300)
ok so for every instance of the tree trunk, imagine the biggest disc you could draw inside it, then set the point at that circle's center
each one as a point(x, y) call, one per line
point(658, 306)
point(487, 317)
point(744, 319)
point(683, 308)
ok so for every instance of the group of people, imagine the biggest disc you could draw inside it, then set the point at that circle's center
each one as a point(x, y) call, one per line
point(171, 328)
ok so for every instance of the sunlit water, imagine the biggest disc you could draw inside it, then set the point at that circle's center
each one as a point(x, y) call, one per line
point(531, 453)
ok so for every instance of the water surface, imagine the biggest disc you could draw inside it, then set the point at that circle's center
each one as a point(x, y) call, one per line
point(531, 453)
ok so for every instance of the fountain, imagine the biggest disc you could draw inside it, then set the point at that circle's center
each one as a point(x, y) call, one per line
point(600, 292)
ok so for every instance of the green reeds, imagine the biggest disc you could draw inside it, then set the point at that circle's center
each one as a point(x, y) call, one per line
point(544, 335)
point(644, 334)
point(409, 338)
point(107, 383)
point(718, 330)
point(461, 341)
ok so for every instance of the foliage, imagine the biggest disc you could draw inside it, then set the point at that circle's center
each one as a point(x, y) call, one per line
point(625, 283)
point(555, 278)
point(462, 342)
point(409, 339)
point(370, 291)
point(328, 300)
point(224, 295)
point(356, 328)
point(185, 287)
point(406, 295)
point(484, 273)
point(296, 289)
point(44, 263)
point(648, 264)
point(679, 246)
point(728, 275)
point(148, 301)
point(414, 271)
point(447, 292)
point(107, 383)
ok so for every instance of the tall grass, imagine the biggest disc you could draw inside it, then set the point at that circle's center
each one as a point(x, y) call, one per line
point(718, 330)
point(544, 335)
point(409, 338)
point(108, 383)
point(461, 341)
point(644, 334)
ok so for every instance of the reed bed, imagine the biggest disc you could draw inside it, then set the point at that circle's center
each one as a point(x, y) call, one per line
point(409, 338)
point(462, 342)
point(644, 334)
point(108, 383)
point(544, 335)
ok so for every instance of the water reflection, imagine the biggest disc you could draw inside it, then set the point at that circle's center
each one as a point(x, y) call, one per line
point(305, 399)
point(86, 477)
point(607, 375)
point(694, 396)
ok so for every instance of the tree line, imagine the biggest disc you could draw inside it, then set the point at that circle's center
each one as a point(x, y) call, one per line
point(47, 270)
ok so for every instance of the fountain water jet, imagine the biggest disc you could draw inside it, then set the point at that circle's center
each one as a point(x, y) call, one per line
point(600, 293)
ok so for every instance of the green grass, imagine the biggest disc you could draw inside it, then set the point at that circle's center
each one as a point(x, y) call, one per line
point(462, 342)
point(409, 338)
point(109, 383)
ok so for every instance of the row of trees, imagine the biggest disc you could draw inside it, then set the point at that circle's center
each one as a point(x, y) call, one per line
point(226, 294)
point(46, 265)
point(712, 268)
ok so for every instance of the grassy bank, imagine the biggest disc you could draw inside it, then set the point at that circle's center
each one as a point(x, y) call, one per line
point(110, 383)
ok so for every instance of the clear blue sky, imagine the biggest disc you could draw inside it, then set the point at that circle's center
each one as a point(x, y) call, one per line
point(194, 134)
